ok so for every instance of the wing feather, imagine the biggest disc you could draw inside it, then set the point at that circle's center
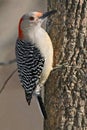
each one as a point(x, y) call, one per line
point(30, 64)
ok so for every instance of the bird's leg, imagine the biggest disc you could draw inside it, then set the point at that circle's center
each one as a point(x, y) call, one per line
point(58, 66)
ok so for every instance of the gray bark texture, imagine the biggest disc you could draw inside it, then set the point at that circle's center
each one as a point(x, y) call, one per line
point(66, 88)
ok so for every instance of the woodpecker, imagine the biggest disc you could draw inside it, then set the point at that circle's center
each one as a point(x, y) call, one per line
point(34, 55)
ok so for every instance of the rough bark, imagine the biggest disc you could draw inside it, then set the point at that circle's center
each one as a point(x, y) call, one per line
point(66, 88)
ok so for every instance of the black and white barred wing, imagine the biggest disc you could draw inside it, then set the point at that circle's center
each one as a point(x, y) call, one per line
point(30, 65)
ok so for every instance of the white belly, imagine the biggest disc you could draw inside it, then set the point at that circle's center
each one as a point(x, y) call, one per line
point(42, 40)
point(45, 45)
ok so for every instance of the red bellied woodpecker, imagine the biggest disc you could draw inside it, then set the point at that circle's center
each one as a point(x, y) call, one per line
point(34, 55)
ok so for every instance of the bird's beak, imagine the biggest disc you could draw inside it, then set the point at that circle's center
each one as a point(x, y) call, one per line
point(48, 14)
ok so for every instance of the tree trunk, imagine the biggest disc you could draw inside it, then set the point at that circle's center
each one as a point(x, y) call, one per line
point(66, 88)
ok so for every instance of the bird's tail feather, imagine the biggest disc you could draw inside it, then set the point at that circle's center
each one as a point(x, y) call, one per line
point(42, 107)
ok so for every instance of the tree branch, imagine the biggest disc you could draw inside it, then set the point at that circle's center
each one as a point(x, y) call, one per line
point(8, 62)
point(3, 87)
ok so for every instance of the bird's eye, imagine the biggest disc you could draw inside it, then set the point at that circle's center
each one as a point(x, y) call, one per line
point(31, 18)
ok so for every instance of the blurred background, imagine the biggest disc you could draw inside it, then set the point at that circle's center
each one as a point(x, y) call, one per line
point(15, 114)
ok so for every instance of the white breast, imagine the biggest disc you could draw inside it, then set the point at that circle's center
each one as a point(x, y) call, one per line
point(44, 43)
point(42, 40)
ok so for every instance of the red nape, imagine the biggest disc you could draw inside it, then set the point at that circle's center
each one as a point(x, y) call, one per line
point(20, 32)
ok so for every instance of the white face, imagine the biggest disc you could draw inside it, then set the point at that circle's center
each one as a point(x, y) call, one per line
point(31, 20)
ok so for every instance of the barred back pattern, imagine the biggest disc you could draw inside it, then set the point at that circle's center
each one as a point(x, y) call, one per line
point(30, 64)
